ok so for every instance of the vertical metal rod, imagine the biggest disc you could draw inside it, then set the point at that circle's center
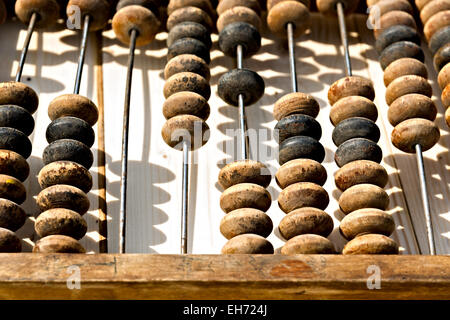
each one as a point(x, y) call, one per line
point(23, 55)
point(242, 124)
point(184, 207)
point(124, 164)
point(344, 39)
point(76, 90)
point(291, 44)
point(424, 192)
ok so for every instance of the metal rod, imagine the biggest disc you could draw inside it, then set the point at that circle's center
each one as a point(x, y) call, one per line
point(424, 192)
point(124, 164)
point(242, 124)
point(23, 55)
point(184, 206)
point(344, 39)
point(76, 90)
point(291, 44)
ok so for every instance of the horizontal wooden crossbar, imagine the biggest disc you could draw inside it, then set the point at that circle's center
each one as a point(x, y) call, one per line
point(151, 276)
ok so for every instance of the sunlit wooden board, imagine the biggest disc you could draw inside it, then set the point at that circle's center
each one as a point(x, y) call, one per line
point(154, 190)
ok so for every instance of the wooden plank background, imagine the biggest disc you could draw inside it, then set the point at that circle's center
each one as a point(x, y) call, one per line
point(154, 189)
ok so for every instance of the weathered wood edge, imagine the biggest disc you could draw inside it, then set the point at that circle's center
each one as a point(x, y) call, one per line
point(166, 277)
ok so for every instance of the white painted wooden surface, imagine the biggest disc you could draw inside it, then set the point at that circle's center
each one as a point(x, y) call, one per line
point(154, 191)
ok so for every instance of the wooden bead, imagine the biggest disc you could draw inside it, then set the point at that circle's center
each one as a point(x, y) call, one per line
point(137, 18)
point(399, 50)
point(245, 195)
point(363, 196)
point(238, 14)
point(205, 5)
point(19, 94)
point(191, 14)
point(366, 221)
point(65, 172)
point(70, 150)
point(73, 105)
point(97, 10)
point(271, 3)
point(359, 172)
point(12, 189)
point(328, 7)
point(63, 196)
point(406, 85)
point(393, 18)
point(300, 147)
point(185, 128)
point(239, 33)
point(301, 170)
point(151, 5)
point(447, 116)
point(439, 39)
point(13, 164)
point(421, 3)
point(60, 221)
point(351, 86)
point(9, 242)
point(15, 140)
point(189, 46)
point(3, 12)
point(395, 34)
point(306, 220)
point(445, 97)
point(371, 244)
point(58, 244)
point(357, 149)
point(16, 117)
point(308, 244)
point(248, 244)
point(189, 29)
point(297, 125)
point(12, 216)
point(70, 128)
point(240, 82)
point(436, 22)
point(187, 81)
point(295, 102)
point(186, 102)
point(442, 57)
point(355, 128)
point(244, 171)
point(444, 76)
point(303, 194)
point(385, 6)
point(404, 67)
point(47, 11)
point(224, 5)
point(288, 12)
point(353, 106)
point(245, 220)
point(410, 132)
point(433, 7)
point(411, 106)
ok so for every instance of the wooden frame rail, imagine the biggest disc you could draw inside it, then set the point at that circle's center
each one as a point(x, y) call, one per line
point(166, 277)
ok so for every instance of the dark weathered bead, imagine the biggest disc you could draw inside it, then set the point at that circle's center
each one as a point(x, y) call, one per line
point(301, 147)
point(18, 94)
point(73, 105)
point(189, 46)
point(245, 195)
point(297, 125)
point(244, 171)
point(47, 11)
point(301, 170)
point(12, 216)
point(187, 128)
point(70, 150)
point(187, 63)
point(360, 171)
point(286, 12)
point(395, 34)
point(398, 50)
point(16, 117)
point(357, 149)
point(70, 128)
point(442, 57)
point(61, 221)
point(98, 11)
point(151, 5)
point(57, 243)
point(65, 172)
point(189, 14)
point(303, 194)
point(306, 220)
point(248, 244)
point(63, 196)
point(245, 220)
point(15, 140)
point(241, 81)
point(13, 164)
point(439, 39)
point(239, 33)
point(12, 189)
point(355, 128)
point(308, 244)
point(189, 29)
point(9, 242)
point(187, 81)
point(411, 106)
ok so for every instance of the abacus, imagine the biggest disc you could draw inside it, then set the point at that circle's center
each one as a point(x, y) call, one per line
point(182, 113)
